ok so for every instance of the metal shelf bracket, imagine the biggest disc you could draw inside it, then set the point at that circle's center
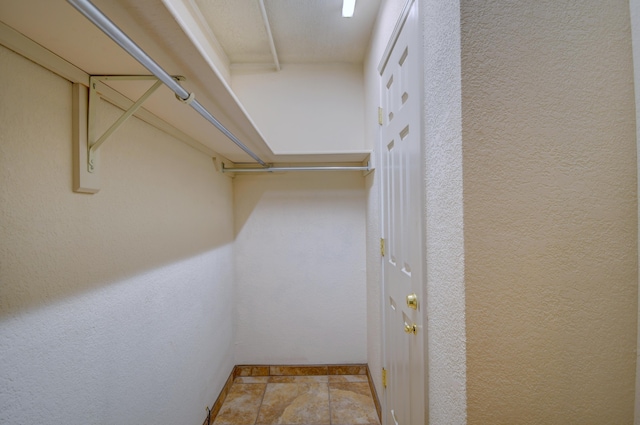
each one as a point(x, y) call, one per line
point(93, 141)
point(86, 140)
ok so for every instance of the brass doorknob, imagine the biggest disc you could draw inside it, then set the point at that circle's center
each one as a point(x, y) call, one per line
point(412, 301)
point(410, 329)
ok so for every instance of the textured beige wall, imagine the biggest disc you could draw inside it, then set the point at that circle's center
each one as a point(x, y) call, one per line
point(634, 7)
point(115, 308)
point(550, 211)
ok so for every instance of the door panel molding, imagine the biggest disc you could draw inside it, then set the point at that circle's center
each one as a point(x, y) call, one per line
point(404, 330)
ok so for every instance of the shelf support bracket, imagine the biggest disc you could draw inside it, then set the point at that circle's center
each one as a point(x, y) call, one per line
point(86, 141)
point(94, 98)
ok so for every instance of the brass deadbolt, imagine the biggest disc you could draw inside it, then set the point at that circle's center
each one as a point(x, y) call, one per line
point(412, 301)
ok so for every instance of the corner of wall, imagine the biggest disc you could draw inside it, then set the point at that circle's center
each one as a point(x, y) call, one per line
point(445, 255)
point(635, 32)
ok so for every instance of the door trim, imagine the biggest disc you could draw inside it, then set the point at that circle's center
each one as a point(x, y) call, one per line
point(394, 35)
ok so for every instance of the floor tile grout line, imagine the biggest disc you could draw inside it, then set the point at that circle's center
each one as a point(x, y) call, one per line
point(261, 401)
point(329, 390)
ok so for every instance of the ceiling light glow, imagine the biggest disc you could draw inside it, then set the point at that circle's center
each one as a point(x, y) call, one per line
point(348, 7)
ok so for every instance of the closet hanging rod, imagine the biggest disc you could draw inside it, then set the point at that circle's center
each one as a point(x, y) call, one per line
point(99, 19)
point(282, 169)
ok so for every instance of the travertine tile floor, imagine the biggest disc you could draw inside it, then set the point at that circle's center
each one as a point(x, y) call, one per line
point(299, 400)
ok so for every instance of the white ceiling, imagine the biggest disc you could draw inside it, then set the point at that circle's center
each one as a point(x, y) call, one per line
point(304, 31)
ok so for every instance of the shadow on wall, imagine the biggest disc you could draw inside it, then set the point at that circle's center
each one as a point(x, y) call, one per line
point(160, 201)
point(300, 263)
point(301, 195)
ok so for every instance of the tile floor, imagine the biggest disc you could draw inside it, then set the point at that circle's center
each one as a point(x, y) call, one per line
point(298, 400)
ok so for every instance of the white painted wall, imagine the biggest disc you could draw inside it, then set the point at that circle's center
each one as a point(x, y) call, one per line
point(300, 268)
point(444, 235)
point(115, 308)
point(306, 108)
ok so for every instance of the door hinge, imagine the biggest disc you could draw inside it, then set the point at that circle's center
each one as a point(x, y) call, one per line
point(380, 116)
point(384, 377)
point(382, 247)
